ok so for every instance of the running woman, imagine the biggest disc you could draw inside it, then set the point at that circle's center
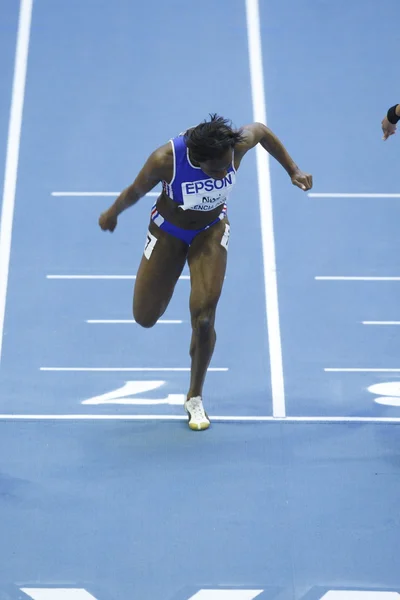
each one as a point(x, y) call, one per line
point(189, 223)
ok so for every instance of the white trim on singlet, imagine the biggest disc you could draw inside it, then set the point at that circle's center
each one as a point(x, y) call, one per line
point(168, 186)
point(233, 160)
point(189, 161)
point(174, 169)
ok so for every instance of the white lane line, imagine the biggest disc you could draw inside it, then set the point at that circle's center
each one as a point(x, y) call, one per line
point(360, 595)
point(216, 418)
point(184, 277)
point(354, 278)
point(94, 194)
point(358, 195)
point(128, 369)
point(221, 594)
point(361, 370)
point(55, 593)
point(12, 153)
point(132, 321)
point(266, 211)
point(381, 322)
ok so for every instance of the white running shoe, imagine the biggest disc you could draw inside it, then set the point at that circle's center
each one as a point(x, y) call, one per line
point(198, 418)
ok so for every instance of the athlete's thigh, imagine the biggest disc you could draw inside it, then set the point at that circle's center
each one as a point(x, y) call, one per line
point(162, 263)
point(207, 261)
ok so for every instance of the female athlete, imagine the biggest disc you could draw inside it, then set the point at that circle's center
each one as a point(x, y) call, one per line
point(189, 222)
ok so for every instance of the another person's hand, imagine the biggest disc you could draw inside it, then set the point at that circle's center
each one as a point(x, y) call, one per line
point(388, 128)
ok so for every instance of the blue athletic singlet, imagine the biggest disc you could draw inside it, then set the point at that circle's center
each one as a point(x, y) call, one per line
point(190, 187)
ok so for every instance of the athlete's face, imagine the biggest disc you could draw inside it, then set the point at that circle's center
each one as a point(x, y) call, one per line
point(217, 168)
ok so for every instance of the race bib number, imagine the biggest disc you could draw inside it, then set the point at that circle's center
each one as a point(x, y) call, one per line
point(207, 194)
point(225, 237)
point(151, 241)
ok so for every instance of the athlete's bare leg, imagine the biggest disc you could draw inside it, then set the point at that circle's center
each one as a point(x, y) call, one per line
point(207, 260)
point(155, 283)
point(157, 276)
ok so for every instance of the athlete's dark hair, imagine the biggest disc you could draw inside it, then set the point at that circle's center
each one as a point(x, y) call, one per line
point(211, 139)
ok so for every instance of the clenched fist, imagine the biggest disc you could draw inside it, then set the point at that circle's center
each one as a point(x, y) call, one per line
point(108, 220)
point(302, 180)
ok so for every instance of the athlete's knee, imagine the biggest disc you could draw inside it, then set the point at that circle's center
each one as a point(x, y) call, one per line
point(146, 322)
point(203, 320)
point(143, 318)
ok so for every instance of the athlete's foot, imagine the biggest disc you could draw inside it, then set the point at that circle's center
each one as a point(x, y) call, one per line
point(198, 418)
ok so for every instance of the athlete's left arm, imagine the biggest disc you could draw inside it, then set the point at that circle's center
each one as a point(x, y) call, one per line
point(257, 133)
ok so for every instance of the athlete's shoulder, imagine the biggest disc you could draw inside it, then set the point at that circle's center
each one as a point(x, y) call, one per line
point(160, 162)
point(162, 156)
point(250, 136)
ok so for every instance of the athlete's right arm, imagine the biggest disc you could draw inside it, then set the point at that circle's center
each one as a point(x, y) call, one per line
point(157, 167)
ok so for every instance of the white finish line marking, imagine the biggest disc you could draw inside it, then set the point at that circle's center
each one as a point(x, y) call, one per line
point(58, 593)
point(132, 321)
point(128, 369)
point(226, 595)
point(223, 418)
